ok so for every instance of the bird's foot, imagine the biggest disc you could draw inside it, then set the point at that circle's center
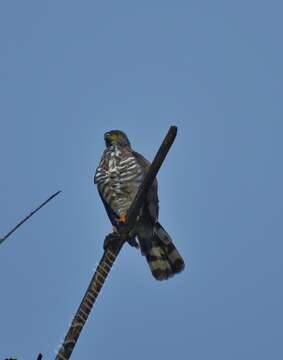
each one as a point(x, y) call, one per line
point(111, 240)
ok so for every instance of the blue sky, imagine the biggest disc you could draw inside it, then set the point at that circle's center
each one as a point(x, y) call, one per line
point(71, 71)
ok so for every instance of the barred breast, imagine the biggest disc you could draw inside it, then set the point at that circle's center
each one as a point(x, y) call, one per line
point(118, 177)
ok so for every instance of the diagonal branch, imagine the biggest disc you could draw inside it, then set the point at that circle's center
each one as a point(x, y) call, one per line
point(150, 176)
point(112, 252)
point(28, 216)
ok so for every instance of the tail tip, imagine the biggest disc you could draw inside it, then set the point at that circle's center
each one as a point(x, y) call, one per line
point(178, 266)
point(165, 274)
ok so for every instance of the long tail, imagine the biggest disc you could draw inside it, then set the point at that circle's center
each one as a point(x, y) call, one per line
point(163, 258)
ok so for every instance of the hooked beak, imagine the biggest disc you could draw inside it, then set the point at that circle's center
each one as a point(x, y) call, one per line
point(107, 136)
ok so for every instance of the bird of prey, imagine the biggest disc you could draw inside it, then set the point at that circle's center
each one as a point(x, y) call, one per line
point(118, 177)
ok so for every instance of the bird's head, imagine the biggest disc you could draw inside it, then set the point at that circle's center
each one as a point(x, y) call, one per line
point(116, 137)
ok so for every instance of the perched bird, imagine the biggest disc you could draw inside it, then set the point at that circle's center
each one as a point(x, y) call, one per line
point(118, 177)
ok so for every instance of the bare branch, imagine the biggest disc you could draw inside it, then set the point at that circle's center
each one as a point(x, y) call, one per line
point(112, 252)
point(28, 216)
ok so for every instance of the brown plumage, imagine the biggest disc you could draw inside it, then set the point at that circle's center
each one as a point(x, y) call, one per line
point(118, 177)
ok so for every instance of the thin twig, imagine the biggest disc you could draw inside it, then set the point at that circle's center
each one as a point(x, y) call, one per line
point(111, 253)
point(28, 216)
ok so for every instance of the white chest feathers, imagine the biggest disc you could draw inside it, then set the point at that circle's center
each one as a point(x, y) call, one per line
point(118, 178)
point(116, 169)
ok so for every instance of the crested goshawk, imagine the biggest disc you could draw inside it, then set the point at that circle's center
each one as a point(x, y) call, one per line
point(118, 177)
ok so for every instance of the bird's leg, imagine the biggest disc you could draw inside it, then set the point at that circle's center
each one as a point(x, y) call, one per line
point(123, 218)
point(111, 239)
point(131, 239)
